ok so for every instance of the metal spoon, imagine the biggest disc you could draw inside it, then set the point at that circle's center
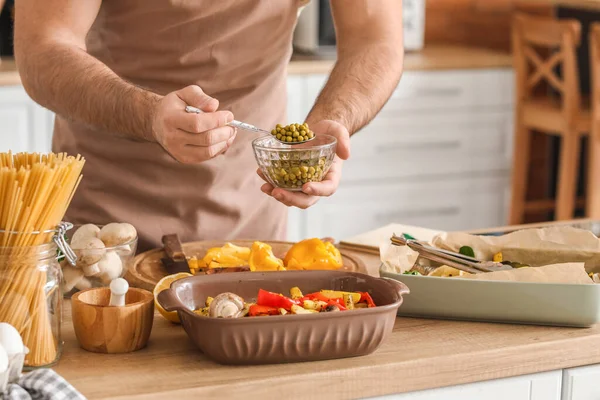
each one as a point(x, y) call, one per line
point(248, 127)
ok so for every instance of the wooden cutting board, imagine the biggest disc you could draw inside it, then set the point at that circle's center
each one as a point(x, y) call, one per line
point(148, 269)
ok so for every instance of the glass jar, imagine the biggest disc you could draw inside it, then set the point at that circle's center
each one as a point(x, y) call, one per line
point(31, 298)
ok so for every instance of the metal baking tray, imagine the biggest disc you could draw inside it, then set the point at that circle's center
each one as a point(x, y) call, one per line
point(555, 304)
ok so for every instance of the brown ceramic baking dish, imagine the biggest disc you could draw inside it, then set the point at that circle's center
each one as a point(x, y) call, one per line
point(285, 338)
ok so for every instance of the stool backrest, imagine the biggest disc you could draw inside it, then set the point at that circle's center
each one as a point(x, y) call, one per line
point(595, 70)
point(534, 38)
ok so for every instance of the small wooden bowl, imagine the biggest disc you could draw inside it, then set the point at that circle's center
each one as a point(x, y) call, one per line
point(101, 328)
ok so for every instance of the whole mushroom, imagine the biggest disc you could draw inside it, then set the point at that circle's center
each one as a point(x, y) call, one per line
point(3, 362)
point(89, 250)
point(226, 305)
point(115, 234)
point(84, 232)
point(72, 277)
point(110, 266)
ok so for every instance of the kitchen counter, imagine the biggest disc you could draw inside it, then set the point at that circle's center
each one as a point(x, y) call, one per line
point(431, 58)
point(420, 354)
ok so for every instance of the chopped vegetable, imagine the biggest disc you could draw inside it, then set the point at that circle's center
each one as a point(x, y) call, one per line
point(256, 310)
point(467, 251)
point(230, 305)
point(349, 301)
point(229, 255)
point(263, 259)
point(411, 273)
point(296, 293)
point(312, 254)
point(366, 298)
point(334, 294)
point(276, 300)
point(497, 257)
point(300, 310)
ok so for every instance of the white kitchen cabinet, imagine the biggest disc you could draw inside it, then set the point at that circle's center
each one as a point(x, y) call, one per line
point(542, 386)
point(468, 203)
point(581, 383)
point(24, 125)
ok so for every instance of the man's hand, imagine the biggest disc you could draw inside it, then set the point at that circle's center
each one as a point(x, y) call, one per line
point(192, 138)
point(312, 191)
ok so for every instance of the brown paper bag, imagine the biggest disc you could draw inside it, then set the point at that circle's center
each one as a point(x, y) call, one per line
point(555, 273)
point(534, 247)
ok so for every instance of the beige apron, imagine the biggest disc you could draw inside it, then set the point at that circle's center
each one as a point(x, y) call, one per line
point(237, 51)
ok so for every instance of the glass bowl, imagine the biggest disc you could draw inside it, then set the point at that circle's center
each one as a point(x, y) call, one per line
point(122, 255)
point(290, 166)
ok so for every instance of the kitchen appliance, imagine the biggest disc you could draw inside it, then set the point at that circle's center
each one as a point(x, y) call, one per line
point(315, 32)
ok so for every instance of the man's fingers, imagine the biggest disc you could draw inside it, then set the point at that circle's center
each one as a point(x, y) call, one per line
point(190, 154)
point(328, 185)
point(198, 123)
point(294, 199)
point(208, 138)
point(194, 96)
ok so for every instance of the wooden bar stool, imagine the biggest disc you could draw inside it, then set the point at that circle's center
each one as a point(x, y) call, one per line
point(559, 114)
point(593, 168)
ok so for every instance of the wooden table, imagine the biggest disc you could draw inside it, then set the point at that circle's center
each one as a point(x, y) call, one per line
point(420, 354)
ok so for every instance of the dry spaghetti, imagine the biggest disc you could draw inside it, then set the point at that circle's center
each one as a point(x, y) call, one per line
point(35, 191)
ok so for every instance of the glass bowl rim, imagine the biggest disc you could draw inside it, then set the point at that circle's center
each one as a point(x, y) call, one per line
point(333, 141)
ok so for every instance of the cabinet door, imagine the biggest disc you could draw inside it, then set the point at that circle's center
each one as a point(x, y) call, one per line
point(581, 383)
point(543, 386)
point(297, 101)
point(25, 126)
point(448, 205)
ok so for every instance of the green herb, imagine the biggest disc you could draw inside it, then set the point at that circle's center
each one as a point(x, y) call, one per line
point(411, 273)
point(408, 237)
point(467, 251)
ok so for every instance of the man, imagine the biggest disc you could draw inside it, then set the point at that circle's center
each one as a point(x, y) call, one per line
point(119, 73)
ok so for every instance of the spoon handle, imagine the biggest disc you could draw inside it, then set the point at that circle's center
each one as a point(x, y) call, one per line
point(237, 124)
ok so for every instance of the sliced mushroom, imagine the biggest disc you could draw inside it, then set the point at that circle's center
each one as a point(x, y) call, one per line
point(226, 305)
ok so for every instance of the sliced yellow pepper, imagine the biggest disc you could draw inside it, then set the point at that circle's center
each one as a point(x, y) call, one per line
point(334, 294)
point(296, 293)
point(227, 256)
point(313, 254)
point(263, 259)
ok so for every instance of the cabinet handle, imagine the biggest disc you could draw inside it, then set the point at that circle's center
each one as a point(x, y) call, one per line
point(426, 92)
point(446, 145)
point(400, 215)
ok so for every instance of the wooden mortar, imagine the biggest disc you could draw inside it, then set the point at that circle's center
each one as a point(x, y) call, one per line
point(101, 328)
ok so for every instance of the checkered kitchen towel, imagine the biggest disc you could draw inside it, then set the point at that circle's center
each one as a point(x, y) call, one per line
point(41, 384)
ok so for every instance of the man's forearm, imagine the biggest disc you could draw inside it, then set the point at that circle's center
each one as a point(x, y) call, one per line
point(359, 85)
point(77, 86)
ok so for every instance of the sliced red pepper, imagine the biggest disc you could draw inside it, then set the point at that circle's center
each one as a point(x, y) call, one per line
point(257, 310)
point(366, 297)
point(338, 304)
point(270, 299)
point(318, 296)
